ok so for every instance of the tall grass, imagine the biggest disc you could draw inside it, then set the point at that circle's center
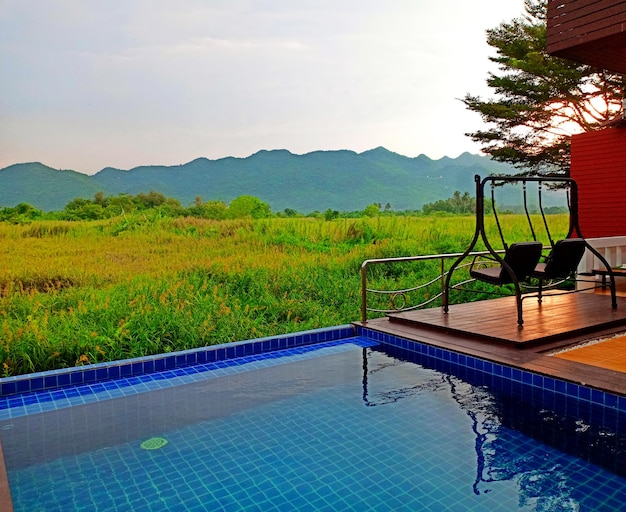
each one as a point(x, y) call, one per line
point(85, 292)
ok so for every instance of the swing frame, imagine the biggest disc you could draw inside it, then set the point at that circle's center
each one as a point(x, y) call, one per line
point(496, 257)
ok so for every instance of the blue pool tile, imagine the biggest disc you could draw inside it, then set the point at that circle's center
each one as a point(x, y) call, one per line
point(36, 384)
point(15, 402)
point(9, 388)
point(23, 386)
point(560, 386)
point(71, 392)
point(610, 400)
point(113, 372)
point(519, 389)
point(547, 383)
point(30, 399)
point(50, 381)
point(572, 389)
point(96, 388)
point(597, 396)
point(89, 376)
point(584, 393)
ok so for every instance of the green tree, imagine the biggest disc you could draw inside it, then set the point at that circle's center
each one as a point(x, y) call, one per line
point(456, 204)
point(83, 209)
point(540, 100)
point(248, 206)
point(22, 212)
point(119, 205)
point(215, 210)
point(100, 199)
point(150, 200)
point(331, 214)
point(372, 210)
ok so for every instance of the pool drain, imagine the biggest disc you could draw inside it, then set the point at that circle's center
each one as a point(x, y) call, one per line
point(154, 443)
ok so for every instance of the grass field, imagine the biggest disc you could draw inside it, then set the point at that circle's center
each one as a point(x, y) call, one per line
point(75, 293)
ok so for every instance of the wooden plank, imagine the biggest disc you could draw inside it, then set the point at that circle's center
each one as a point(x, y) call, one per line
point(574, 15)
point(556, 317)
point(588, 31)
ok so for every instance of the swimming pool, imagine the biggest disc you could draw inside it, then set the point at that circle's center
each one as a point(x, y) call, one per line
point(367, 422)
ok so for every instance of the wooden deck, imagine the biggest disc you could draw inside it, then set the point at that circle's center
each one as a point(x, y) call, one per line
point(556, 317)
point(488, 329)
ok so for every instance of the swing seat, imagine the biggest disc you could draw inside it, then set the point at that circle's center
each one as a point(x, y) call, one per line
point(522, 259)
point(562, 261)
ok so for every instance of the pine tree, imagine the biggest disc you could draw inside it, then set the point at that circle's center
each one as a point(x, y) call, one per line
point(540, 100)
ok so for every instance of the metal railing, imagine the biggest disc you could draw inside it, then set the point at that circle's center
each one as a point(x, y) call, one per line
point(398, 298)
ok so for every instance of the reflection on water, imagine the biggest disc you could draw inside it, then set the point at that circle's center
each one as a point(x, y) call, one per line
point(506, 426)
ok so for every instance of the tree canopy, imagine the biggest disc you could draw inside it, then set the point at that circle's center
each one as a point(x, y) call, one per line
point(540, 100)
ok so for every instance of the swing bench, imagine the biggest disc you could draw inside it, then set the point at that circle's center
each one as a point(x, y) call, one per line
point(521, 266)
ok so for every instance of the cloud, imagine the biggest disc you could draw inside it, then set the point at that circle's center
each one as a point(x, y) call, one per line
point(125, 82)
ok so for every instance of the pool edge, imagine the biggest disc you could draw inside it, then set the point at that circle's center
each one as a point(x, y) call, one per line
point(98, 372)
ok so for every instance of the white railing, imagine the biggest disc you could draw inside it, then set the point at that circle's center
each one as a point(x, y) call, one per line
point(613, 248)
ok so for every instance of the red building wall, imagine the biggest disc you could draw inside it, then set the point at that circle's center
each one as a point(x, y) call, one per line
point(598, 164)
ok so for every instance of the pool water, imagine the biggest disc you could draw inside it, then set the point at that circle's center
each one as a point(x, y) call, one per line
point(344, 426)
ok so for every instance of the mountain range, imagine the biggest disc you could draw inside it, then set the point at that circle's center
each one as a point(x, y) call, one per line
point(341, 180)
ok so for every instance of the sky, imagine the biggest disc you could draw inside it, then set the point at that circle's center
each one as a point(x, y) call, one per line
point(88, 84)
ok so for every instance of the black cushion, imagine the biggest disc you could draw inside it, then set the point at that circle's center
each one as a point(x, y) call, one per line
point(562, 261)
point(522, 258)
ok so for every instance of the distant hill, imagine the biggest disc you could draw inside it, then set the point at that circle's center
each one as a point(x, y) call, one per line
point(43, 187)
point(340, 180)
